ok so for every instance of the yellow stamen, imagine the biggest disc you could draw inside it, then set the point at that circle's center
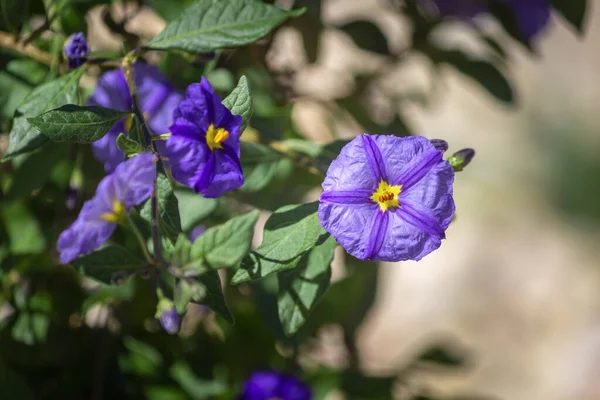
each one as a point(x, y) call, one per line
point(116, 215)
point(386, 196)
point(215, 136)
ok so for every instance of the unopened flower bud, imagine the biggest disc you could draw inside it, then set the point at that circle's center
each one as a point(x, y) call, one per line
point(77, 50)
point(170, 319)
point(461, 159)
point(439, 144)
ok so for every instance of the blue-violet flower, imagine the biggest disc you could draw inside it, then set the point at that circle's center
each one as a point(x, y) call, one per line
point(388, 198)
point(531, 16)
point(170, 320)
point(130, 184)
point(204, 147)
point(157, 97)
point(76, 50)
point(268, 385)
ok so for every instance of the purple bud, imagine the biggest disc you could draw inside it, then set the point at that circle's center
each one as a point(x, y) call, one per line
point(170, 320)
point(71, 197)
point(440, 144)
point(197, 231)
point(461, 159)
point(77, 50)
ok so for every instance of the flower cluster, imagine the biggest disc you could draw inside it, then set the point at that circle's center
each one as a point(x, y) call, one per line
point(76, 50)
point(204, 147)
point(388, 198)
point(157, 97)
point(531, 16)
point(129, 185)
point(266, 385)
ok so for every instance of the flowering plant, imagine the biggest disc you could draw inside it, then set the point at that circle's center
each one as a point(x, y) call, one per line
point(156, 192)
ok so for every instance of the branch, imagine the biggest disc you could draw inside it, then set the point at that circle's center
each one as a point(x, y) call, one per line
point(8, 41)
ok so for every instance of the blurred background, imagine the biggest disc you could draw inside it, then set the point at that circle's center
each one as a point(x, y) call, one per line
point(514, 291)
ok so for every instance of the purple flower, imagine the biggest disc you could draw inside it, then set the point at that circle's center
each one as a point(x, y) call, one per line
point(76, 50)
point(388, 198)
point(196, 232)
point(169, 320)
point(157, 97)
point(267, 385)
point(530, 15)
point(130, 184)
point(204, 148)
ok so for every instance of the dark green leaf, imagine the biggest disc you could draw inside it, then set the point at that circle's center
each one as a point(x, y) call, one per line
point(12, 385)
point(12, 13)
point(367, 36)
point(61, 91)
point(225, 245)
point(12, 92)
point(209, 25)
point(109, 262)
point(76, 124)
point(573, 11)
point(359, 386)
point(168, 208)
point(196, 388)
point(302, 287)
point(445, 355)
point(128, 146)
point(289, 233)
point(214, 298)
point(142, 358)
point(259, 164)
point(239, 102)
point(193, 208)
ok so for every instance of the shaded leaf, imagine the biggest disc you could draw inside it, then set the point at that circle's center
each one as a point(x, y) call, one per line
point(289, 233)
point(209, 25)
point(109, 262)
point(302, 287)
point(193, 208)
point(23, 229)
point(367, 36)
point(573, 11)
point(214, 298)
point(260, 165)
point(13, 385)
point(239, 102)
point(128, 146)
point(12, 13)
point(168, 208)
point(76, 124)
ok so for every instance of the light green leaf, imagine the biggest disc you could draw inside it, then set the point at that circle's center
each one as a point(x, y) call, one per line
point(24, 137)
point(259, 164)
point(168, 208)
point(31, 328)
point(23, 229)
point(128, 146)
point(71, 123)
point(109, 262)
point(239, 102)
point(302, 287)
point(195, 387)
point(187, 290)
point(289, 233)
point(225, 245)
point(142, 359)
point(193, 208)
point(209, 25)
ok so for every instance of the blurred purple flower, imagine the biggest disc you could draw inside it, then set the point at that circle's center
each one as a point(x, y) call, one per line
point(268, 385)
point(76, 50)
point(169, 320)
point(196, 232)
point(388, 198)
point(130, 184)
point(158, 99)
point(204, 148)
point(530, 15)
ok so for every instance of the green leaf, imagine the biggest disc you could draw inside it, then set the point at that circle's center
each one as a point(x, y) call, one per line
point(12, 13)
point(289, 233)
point(24, 137)
point(259, 164)
point(225, 245)
point(76, 124)
point(193, 208)
point(196, 388)
point(168, 208)
point(239, 102)
point(188, 290)
point(13, 385)
point(142, 358)
point(302, 287)
point(573, 11)
point(31, 328)
point(109, 262)
point(209, 25)
point(214, 298)
point(12, 92)
point(128, 146)
point(23, 229)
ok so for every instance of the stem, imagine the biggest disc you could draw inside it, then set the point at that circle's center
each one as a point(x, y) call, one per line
point(8, 41)
point(140, 239)
point(155, 228)
point(127, 64)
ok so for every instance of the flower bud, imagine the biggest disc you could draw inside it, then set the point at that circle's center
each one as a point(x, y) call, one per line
point(196, 232)
point(440, 144)
point(461, 159)
point(77, 50)
point(170, 319)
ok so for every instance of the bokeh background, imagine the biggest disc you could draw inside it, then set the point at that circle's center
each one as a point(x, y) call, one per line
point(515, 288)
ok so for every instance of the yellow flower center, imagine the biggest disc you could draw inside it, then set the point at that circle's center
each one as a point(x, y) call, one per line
point(386, 196)
point(117, 214)
point(215, 136)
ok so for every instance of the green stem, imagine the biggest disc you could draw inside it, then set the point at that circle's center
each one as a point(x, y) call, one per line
point(140, 239)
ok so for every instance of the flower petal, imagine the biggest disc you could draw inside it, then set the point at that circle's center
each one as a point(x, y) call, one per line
point(348, 197)
point(293, 389)
point(227, 175)
point(347, 222)
point(134, 179)
point(421, 219)
point(374, 159)
point(111, 91)
point(376, 235)
point(262, 386)
point(106, 150)
point(418, 168)
point(350, 170)
point(531, 16)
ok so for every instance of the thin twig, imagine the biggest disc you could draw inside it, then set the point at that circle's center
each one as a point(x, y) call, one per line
point(8, 41)
point(140, 239)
